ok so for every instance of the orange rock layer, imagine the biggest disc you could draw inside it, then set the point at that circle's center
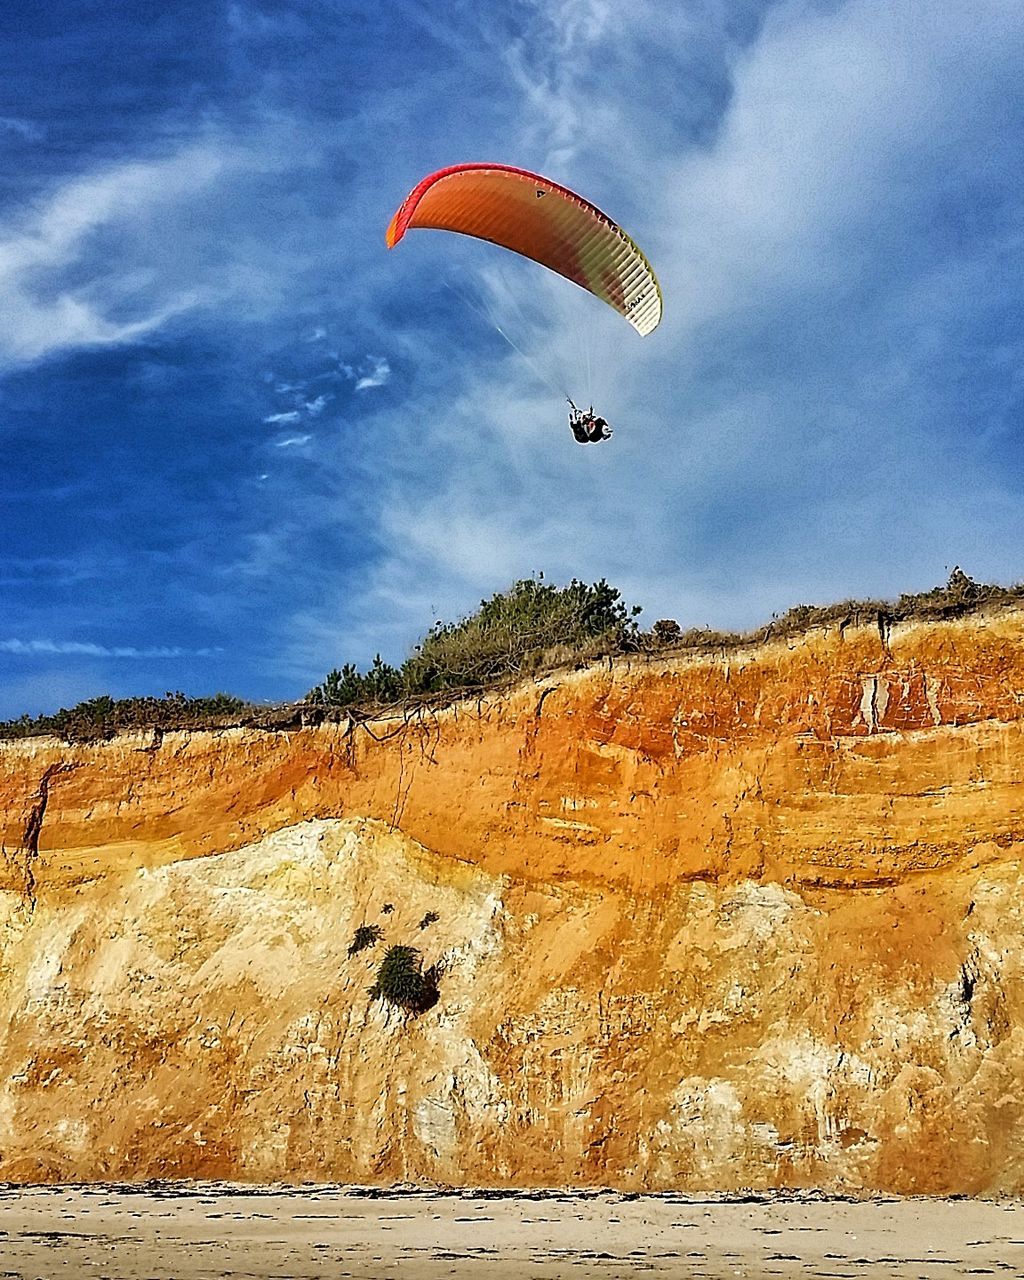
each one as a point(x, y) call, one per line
point(739, 921)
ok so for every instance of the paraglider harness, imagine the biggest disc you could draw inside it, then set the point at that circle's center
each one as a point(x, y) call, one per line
point(586, 428)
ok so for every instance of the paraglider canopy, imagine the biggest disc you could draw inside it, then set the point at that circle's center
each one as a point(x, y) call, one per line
point(539, 219)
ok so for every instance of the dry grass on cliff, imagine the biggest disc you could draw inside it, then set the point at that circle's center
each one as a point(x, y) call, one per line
point(959, 597)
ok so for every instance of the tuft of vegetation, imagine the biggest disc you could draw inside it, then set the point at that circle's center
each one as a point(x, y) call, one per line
point(403, 982)
point(367, 935)
point(530, 626)
point(381, 685)
point(961, 595)
point(387, 908)
point(430, 918)
point(666, 631)
point(520, 631)
point(104, 717)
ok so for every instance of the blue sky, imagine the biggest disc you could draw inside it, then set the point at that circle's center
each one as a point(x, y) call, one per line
point(240, 443)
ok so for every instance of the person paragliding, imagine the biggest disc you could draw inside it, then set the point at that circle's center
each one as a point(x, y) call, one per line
point(578, 426)
point(529, 214)
point(586, 426)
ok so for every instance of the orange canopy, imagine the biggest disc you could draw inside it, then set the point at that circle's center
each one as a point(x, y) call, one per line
point(541, 220)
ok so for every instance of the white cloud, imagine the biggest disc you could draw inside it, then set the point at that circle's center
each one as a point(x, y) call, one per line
point(113, 254)
point(554, 75)
point(277, 418)
point(377, 372)
point(315, 407)
point(36, 648)
point(39, 312)
point(292, 441)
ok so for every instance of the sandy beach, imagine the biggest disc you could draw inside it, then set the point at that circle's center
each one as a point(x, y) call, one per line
point(196, 1231)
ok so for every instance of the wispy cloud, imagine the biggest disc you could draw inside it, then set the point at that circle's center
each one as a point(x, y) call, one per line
point(35, 648)
point(291, 441)
point(40, 313)
point(27, 130)
point(292, 415)
point(377, 373)
point(551, 69)
point(54, 571)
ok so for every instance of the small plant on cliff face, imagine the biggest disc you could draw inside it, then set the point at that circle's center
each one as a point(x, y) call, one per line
point(365, 936)
point(430, 918)
point(402, 981)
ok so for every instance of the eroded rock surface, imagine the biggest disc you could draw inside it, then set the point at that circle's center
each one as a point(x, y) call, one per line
point(750, 921)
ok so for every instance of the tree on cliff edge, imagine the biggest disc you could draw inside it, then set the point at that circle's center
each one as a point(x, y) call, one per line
point(514, 632)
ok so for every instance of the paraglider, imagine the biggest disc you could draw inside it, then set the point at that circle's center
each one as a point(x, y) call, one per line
point(546, 222)
point(586, 427)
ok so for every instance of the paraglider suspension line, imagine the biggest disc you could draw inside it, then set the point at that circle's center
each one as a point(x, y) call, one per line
point(485, 315)
point(531, 362)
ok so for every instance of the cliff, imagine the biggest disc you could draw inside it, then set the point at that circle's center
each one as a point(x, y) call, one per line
point(746, 920)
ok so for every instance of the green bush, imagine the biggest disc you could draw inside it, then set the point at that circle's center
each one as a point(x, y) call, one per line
point(367, 935)
point(666, 631)
point(402, 981)
point(346, 688)
point(518, 631)
point(531, 625)
point(339, 689)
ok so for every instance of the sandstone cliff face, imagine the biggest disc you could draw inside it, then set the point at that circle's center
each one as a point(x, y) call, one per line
point(743, 921)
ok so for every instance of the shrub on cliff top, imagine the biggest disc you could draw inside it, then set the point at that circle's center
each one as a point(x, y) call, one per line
point(514, 631)
point(520, 630)
point(345, 688)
